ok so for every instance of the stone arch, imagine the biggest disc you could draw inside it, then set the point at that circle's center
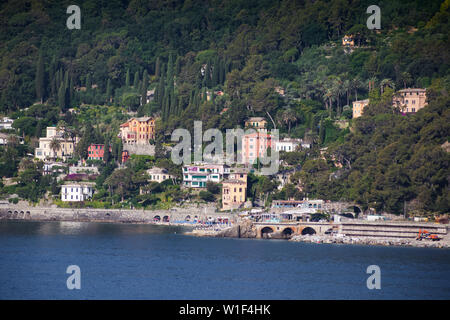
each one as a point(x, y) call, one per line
point(156, 218)
point(187, 218)
point(166, 219)
point(10, 212)
point(308, 230)
point(266, 231)
point(356, 210)
point(287, 232)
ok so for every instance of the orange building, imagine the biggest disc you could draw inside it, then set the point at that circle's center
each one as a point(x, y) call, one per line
point(410, 100)
point(138, 130)
point(254, 145)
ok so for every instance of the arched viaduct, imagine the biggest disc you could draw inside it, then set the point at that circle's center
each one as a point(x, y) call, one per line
point(287, 230)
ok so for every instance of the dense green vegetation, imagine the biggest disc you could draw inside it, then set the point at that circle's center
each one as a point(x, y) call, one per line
point(188, 51)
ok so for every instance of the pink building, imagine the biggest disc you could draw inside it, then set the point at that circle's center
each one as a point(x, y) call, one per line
point(96, 151)
point(254, 145)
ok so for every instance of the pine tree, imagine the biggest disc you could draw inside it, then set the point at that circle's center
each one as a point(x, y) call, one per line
point(40, 78)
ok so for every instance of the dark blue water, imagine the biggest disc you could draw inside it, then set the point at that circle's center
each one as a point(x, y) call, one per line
point(153, 262)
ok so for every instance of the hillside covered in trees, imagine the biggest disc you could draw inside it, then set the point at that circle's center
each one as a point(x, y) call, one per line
point(190, 52)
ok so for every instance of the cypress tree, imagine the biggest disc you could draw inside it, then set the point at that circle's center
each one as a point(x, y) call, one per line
point(106, 153)
point(215, 72)
point(40, 78)
point(173, 104)
point(178, 66)
point(108, 90)
point(127, 79)
point(119, 151)
point(157, 68)
point(144, 88)
point(62, 96)
point(221, 72)
point(321, 132)
point(52, 74)
point(88, 82)
point(161, 91)
point(170, 71)
point(66, 80)
point(38, 131)
point(136, 80)
point(71, 93)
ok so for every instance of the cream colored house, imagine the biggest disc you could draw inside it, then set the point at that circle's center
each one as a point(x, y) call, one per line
point(410, 100)
point(358, 107)
point(66, 145)
point(158, 174)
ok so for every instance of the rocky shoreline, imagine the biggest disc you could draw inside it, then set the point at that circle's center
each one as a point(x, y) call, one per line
point(444, 243)
point(247, 230)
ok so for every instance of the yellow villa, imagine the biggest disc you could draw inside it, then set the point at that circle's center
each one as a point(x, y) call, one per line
point(138, 130)
point(233, 194)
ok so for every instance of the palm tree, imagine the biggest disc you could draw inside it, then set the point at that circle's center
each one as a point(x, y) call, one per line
point(386, 83)
point(347, 86)
point(337, 90)
point(406, 79)
point(55, 145)
point(356, 84)
point(288, 116)
point(371, 83)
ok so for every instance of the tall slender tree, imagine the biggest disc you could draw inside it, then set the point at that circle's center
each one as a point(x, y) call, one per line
point(136, 80)
point(40, 78)
point(127, 79)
